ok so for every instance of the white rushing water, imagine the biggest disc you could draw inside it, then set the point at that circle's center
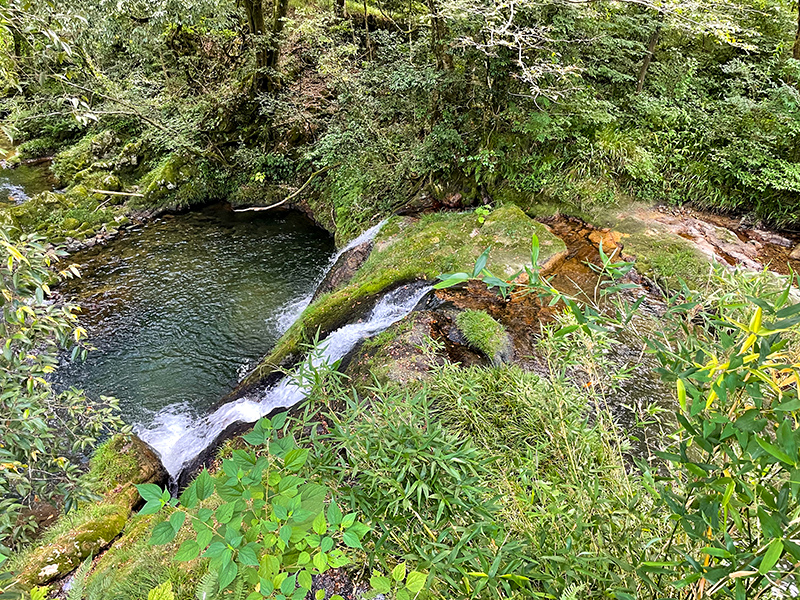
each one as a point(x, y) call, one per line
point(292, 311)
point(178, 438)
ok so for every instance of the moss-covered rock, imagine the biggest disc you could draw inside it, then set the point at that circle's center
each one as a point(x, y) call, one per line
point(122, 462)
point(66, 552)
point(485, 334)
point(74, 159)
point(662, 255)
point(175, 181)
point(409, 249)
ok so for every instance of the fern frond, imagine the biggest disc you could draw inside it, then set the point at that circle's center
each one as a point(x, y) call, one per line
point(238, 589)
point(207, 587)
point(572, 591)
point(78, 584)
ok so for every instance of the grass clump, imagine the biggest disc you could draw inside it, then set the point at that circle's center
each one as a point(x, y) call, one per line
point(483, 332)
point(487, 470)
point(111, 465)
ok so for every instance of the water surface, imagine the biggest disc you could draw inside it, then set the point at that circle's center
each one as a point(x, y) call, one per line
point(182, 307)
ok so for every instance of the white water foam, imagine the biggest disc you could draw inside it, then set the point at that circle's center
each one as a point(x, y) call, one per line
point(291, 311)
point(178, 438)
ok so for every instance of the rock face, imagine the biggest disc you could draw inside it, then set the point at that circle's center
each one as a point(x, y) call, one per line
point(344, 269)
point(67, 551)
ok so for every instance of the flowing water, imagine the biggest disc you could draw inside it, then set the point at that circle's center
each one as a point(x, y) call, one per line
point(24, 181)
point(178, 438)
point(182, 307)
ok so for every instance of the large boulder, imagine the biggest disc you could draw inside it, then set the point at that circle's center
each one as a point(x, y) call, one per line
point(122, 463)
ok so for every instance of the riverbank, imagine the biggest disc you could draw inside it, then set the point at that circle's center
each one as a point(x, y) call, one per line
point(436, 347)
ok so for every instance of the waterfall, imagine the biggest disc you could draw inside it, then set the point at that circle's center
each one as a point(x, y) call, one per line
point(292, 311)
point(178, 438)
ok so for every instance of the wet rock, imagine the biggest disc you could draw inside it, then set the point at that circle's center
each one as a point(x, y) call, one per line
point(344, 269)
point(401, 354)
point(66, 552)
point(112, 183)
point(453, 200)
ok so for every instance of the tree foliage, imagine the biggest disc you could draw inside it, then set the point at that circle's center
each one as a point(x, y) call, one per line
point(44, 432)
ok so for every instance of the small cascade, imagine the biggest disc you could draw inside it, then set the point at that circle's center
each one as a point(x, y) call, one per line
point(292, 310)
point(178, 438)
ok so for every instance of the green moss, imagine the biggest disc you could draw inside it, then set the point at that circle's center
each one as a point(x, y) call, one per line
point(178, 181)
point(112, 464)
point(482, 332)
point(664, 256)
point(75, 213)
point(408, 250)
point(73, 159)
point(64, 547)
point(132, 567)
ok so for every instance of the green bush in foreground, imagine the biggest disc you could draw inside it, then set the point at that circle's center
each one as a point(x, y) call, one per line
point(43, 432)
point(734, 494)
point(270, 531)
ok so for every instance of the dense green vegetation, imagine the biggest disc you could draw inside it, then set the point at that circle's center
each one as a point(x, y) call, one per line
point(44, 433)
point(479, 482)
point(587, 104)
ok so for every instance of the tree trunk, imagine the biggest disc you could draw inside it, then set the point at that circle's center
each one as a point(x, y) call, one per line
point(278, 16)
point(339, 8)
point(796, 48)
point(651, 48)
point(438, 37)
point(255, 24)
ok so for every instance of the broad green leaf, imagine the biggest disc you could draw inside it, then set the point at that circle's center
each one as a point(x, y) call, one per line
point(227, 574)
point(351, 540)
point(204, 485)
point(415, 581)
point(149, 492)
point(380, 584)
point(189, 550)
point(225, 512)
point(334, 514)
point(295, 459)
point(399, 572)
point(320, 562)
point(319, 525)
point(247, 555)
point(177, 519)
point(771, 556)
point(163, 533)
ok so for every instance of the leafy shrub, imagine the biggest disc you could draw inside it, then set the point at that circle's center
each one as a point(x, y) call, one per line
point(44, 433)
point(270, 530)
point(735, 493)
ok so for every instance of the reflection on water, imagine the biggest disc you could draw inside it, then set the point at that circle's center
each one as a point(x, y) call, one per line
point(19, 184)
point(180, 308)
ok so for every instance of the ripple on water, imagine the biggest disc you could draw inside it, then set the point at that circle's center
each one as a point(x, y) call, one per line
point(179, 308)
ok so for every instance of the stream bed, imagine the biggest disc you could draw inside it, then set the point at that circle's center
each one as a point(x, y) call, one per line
point(180, 308)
